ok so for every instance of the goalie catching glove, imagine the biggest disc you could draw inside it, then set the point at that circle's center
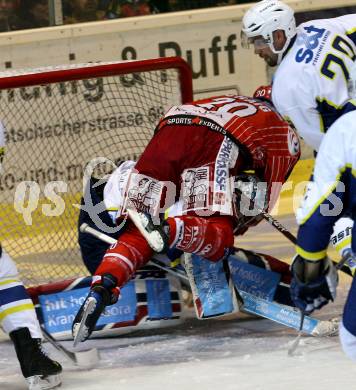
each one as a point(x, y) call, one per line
point(313, 283)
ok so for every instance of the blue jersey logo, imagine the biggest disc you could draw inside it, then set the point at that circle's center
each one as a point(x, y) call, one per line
point(310, 40)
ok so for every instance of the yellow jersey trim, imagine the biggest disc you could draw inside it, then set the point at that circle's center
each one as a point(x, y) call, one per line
point(9, 281)
point(314, 256)
point(16, 309)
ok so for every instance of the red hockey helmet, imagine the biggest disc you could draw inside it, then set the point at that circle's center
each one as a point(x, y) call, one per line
point(263, 92)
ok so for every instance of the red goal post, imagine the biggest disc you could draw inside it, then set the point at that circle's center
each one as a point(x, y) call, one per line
point(56, 120)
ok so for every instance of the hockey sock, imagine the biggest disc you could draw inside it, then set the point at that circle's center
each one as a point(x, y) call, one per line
point(123, 258)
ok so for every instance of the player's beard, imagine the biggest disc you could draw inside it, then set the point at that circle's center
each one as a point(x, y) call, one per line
point(272, 59)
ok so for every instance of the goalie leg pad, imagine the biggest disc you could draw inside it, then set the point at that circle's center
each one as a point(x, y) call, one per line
point(213, 293)
point(207, 237)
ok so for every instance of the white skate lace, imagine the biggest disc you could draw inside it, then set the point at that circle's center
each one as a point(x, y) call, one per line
point(41, 348)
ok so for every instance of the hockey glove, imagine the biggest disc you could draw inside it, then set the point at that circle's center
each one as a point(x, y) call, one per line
point(313, 283)
point(348, 258)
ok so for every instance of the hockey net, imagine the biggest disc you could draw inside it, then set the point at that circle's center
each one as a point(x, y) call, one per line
point(57, 120)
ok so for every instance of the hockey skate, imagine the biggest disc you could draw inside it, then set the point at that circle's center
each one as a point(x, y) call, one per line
point(39, 370)
point(102, 293)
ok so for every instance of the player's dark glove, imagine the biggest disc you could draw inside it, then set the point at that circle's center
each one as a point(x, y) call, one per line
point(313, 283)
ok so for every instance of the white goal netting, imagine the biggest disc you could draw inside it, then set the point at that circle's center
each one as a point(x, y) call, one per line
point(57, 120)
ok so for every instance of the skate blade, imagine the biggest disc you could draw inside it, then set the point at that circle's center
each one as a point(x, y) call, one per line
point(81, 331)
point(38, 382)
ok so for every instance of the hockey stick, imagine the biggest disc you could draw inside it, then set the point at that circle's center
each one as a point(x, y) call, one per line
point(273, 311)
point(295, 344)
point(293, 239)
point(87, 359)
point(85, 228)
point(268, 217)
point(277, 225)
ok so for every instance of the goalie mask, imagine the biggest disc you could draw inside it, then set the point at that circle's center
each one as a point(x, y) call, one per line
point(261, 20)
point(251, 198)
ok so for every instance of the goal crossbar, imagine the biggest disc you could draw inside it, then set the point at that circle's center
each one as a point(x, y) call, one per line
point(56, 120)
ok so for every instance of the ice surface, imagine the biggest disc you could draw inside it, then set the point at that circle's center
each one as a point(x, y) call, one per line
point(237, 354)
point(241, 353)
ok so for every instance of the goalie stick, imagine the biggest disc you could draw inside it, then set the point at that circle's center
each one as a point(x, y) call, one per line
point(288, 316)
point(273, 311)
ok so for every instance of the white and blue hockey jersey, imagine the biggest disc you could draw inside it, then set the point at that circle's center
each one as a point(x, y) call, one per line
point(332, 191)
point(310, 85)
point(16, 307)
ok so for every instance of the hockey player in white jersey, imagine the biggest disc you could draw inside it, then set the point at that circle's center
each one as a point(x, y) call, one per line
point(18, 319)
point(310, 84)
point(331, 193)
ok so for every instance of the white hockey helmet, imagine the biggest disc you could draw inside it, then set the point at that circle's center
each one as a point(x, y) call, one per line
point(263, 19)
point(351, 83)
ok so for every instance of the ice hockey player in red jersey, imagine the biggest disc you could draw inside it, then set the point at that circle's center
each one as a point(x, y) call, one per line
point(202, 156)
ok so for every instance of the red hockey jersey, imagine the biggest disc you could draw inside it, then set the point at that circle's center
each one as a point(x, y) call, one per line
point(271, 144)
